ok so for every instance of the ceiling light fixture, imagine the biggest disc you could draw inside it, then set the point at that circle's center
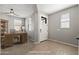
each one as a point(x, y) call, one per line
point(12, 12)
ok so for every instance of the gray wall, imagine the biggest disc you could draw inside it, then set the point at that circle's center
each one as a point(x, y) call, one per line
point(34, 33)
point(65, 35)
point(78, 19)
point(36, 27)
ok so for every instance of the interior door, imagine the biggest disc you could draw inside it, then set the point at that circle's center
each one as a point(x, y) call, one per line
point(43, 29)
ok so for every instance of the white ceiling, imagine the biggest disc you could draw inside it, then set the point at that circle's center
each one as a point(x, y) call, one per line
point(25, 10)
point(51, 8)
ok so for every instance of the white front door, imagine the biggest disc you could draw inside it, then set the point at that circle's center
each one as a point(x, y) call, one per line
point(43, 29)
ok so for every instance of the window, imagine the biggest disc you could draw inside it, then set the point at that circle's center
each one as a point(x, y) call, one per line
point(17, 24)
point(30, 24)
point(65, 20)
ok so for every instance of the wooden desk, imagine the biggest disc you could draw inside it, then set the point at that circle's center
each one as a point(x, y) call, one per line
point(7, 40)
point(23, 36)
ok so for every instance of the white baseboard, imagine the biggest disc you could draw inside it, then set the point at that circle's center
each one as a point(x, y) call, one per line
point(36, 42)
point(64, 43)
point(59, 42)
point(39, 42)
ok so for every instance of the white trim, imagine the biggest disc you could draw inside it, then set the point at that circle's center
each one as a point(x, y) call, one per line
point(39, 41)
point(64, 43)
point(36, 42)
